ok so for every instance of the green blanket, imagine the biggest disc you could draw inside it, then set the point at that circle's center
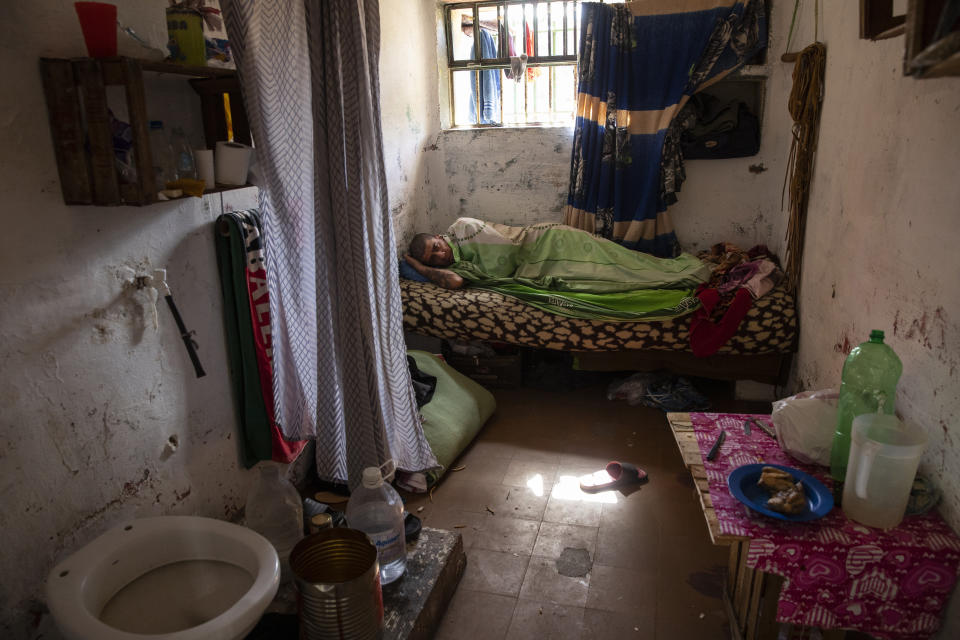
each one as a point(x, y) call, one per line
point(573, 273)
point(455, 414)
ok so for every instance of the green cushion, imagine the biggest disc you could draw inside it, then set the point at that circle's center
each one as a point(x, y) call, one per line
point(455, 414)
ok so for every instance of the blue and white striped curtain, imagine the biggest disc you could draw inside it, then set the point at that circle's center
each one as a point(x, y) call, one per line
point(309, 72)
point(639, 63)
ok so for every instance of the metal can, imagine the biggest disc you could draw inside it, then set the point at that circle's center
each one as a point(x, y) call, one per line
point(338, 584)
point(320, 521)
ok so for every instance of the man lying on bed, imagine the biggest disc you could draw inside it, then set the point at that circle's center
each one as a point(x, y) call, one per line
point(560, 269)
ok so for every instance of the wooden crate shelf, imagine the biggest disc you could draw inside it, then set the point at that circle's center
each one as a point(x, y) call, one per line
point(186, 70)
point(76, 97)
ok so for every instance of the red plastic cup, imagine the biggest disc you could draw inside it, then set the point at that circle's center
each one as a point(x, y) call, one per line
point(99, 23)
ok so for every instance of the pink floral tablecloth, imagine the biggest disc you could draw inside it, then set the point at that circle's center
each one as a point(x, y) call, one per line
point(839, 574)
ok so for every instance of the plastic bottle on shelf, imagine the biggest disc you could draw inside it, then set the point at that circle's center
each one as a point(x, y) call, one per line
point(185, 165)
point(161, 152)
point(868, 384)
point(376, 509)
point(274, 511)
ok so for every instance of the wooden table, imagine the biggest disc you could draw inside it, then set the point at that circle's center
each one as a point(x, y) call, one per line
point(750, 595)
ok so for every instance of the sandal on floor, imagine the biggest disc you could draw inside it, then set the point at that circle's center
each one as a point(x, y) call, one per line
point(411, 526)
point(616, 474)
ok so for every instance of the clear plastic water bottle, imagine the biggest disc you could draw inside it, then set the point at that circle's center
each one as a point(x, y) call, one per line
point(868, 384)
point(274, 511)
point(183, 154)
point(376, 509)
point(161, 154)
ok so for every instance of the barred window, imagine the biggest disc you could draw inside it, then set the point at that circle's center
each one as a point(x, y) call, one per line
point(512, 62)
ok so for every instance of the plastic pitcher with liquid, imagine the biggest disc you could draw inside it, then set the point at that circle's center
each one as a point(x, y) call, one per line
point(884, 455)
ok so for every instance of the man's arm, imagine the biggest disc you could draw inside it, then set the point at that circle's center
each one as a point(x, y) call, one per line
point(440, 277)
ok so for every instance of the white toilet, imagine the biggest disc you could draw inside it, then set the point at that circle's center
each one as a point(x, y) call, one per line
point(169, 578)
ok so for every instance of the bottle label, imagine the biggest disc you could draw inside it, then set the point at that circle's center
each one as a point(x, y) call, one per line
point(389, 546)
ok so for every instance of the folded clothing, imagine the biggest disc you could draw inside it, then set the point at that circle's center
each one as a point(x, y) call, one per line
point(757, 276)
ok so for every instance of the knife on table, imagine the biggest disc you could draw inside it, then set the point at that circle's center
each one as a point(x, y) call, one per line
point(716, 445)
point(761, 426)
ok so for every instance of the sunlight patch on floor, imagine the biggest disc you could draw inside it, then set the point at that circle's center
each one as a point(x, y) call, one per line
point(568, 488)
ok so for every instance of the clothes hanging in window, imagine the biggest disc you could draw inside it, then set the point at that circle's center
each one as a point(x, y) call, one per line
point(489, 81)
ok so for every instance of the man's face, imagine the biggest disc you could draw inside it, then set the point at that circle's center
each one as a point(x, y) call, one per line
point(438, 253)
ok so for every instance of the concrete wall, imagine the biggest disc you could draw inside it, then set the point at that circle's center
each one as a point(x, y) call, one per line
point(881, 246)
point(410, 112)
point(97, 386)
point(882, 237)
point(513, 176)
point(435, 174)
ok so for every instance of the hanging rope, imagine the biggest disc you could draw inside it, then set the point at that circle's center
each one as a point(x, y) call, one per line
point(816, 21)
point(787, 55)
point(804, 104)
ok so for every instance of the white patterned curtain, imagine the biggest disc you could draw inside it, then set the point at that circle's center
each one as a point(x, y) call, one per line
point(309, 72)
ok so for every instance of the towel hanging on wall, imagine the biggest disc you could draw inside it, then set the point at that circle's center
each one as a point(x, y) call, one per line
point(246, 314)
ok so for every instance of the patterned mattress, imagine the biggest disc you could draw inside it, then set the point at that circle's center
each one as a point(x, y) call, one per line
point(473, 314)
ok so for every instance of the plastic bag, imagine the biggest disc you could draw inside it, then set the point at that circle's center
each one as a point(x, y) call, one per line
point(633, 389)
point(805, 424)
point(660, 390)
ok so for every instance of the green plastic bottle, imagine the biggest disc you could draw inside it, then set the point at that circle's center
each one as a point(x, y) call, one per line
point(868, 384)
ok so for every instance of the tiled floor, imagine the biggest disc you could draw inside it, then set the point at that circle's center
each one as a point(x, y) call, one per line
point(517, 504)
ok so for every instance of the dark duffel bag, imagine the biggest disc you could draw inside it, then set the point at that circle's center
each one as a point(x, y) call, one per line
point(722, 131)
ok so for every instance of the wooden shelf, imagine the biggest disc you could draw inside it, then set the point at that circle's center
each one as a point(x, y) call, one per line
point(218, 189)
point(752, 71)
point(162, 66)
point(75, 91)
point(186, 70)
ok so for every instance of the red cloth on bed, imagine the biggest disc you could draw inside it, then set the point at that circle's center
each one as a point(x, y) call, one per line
point(707, 336)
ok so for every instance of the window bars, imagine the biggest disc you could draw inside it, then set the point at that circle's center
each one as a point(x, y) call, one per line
point(485, 88)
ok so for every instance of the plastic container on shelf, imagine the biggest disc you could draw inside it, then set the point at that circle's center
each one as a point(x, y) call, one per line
point(274, 511)
point(164, 169)
point(186, 166)
point(376, 509)
point(868, 385)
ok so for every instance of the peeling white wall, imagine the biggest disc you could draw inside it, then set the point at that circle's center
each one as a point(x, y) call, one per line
point(92, 390)
point(515, 176)
point(881, 246)
point(410, 112)
point(882, 240)
point(512, 176)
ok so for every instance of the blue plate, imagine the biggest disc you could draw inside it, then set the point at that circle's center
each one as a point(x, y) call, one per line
point(743, 485)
